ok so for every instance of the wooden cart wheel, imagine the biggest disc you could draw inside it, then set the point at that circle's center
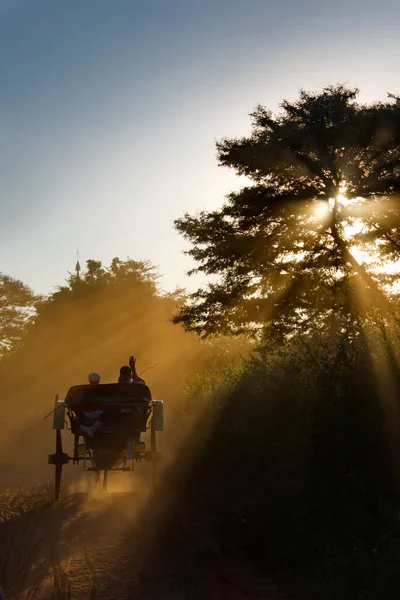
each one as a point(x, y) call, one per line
point(59, 463)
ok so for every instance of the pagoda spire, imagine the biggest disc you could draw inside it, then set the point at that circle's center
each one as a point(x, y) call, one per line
point(77, 266)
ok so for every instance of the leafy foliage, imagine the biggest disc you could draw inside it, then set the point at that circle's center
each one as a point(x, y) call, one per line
point(17, 307)
point(299, 466)
point(121, 277)
point(282, 247)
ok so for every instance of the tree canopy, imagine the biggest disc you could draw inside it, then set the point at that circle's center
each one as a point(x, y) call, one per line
point(287, 249)
point(17, 306)
point(94, 323)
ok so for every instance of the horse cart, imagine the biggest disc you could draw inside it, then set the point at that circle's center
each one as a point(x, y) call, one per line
point(124, 413)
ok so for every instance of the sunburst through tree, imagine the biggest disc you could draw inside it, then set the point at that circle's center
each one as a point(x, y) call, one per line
point(314, 239)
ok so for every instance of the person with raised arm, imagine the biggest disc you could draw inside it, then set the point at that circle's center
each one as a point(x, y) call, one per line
point(128, 374)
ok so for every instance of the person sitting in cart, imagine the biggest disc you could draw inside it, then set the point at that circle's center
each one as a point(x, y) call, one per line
point(93, 415)
point(127, 374)
point(94, 378)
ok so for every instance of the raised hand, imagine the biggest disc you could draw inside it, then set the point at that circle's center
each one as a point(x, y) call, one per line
point(132, 363)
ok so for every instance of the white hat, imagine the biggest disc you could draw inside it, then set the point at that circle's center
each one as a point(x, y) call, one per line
point(94, 378)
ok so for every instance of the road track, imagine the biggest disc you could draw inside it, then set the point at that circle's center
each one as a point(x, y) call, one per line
point(118, 547)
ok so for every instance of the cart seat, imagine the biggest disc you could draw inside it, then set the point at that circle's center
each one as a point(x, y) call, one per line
point(96, 397)
point(120, 403)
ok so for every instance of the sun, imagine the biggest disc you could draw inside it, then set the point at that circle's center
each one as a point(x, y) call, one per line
point(341, 199)
point(322, 208)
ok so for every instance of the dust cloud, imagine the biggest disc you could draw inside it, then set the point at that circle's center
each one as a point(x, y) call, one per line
point(95, 332)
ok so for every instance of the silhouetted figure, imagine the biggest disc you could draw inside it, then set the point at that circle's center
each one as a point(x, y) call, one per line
point(94, 415)
point(128, 374)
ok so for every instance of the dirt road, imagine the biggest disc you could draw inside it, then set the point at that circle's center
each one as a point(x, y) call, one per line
point(120, 545)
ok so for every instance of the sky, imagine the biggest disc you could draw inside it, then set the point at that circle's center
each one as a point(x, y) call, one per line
point(110, 111)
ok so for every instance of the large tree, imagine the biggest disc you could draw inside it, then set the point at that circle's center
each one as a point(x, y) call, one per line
point(324, 183)
point(17, 307)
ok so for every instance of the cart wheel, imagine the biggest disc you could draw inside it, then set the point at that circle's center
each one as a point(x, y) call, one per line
point(154, 460)
point(105, 481)
point(59, 463)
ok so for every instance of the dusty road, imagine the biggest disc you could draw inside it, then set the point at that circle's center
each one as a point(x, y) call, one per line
point(121, 545)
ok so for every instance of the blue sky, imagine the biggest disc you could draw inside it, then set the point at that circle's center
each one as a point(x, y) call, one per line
point(110, 111)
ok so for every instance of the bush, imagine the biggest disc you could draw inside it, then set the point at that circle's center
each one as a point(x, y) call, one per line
point(299, 467)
